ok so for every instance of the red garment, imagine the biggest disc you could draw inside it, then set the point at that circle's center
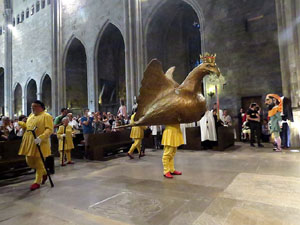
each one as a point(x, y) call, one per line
point(244, 118)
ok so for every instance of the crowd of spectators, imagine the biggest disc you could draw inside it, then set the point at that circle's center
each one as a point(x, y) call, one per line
point(89, 122)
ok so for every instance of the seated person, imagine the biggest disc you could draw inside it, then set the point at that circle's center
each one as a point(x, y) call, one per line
point(246, 132)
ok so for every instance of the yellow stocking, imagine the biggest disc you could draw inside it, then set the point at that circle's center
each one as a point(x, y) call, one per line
point(37, 164)
point(135, 145)
point(168, 158)
point(68, 153)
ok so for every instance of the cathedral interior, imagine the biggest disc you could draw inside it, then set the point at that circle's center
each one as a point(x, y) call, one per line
point(93, 53)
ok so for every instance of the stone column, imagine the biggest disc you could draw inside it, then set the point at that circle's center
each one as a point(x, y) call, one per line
point(91, 81)
point(289, 41)
point(24, 101)
point(57, 87)
point(8, 104)
point(134, 51)
point(129, 50)
point(139, 44)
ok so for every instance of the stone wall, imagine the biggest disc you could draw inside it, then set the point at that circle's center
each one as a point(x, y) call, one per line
point(2, 24)
point(244, 36)
point(242, 33)
point(31, 45)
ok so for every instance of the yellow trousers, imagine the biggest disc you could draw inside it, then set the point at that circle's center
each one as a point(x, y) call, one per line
point(168, 158)
point(37, 164)
point(67, 153)
point(136, 145)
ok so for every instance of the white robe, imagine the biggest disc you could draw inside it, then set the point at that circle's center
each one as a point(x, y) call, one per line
point(156, 129)
point(183, 126)
point(207, 127)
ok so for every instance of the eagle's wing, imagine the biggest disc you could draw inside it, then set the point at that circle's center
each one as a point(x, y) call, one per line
point(155, 85)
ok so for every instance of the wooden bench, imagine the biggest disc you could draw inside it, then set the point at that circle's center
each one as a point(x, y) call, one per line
point(225, 138)
point(193, 138)
point(99, 145)
point(10, 161)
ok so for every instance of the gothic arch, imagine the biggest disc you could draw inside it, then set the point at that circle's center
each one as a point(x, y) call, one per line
point(75, 75)
point(31, 94)
point(18, 99)
point(180, 14)
point(45, 89)
point(110, 67)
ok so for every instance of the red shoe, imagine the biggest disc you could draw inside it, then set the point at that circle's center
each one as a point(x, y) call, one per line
point(63, 164)
point(34, 186)
point(176, 173)
point(168, 175)
point(130, 156)
point(70, 162)
point(44, 179)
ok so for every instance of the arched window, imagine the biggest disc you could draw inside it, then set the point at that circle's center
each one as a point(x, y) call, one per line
point(32, 9)
point(43, 4)
point(22, 17)
point(18, 19)
point(27, 12)
point(37, 6)
point(14, 22)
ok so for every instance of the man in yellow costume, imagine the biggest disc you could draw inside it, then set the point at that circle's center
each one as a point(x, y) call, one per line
point(172, 138)
point(65, 131)
point(137, 134)
point(42, 123)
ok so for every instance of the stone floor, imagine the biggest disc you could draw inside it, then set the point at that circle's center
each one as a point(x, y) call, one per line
point(242, 185)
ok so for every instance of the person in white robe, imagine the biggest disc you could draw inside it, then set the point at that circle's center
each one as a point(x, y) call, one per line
point(207, 127)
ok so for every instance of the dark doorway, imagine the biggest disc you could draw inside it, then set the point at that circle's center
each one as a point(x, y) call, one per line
point(173, 37)
point(76, 77)
point(31, 94)
point(18, 100)
point(111, 69)
point(46, 93)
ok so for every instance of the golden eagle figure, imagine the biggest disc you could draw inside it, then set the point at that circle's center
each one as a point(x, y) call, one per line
point(163, 101)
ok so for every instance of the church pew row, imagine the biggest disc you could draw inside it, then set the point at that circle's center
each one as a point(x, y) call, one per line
point(103, 144)
point(10, 161)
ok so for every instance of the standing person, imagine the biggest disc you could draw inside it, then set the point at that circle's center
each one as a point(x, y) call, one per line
point(43, 123)
point(72, 122)
point(172, 138)
point(137, 134)
point(58, 119)
point(273, 102)
point(254, 123)
point(87, 126)
point(18, 129)
point(65, 131)
point(208, 130)
point(215, 107)
point(240, 120)
point(227, 118)
point(122, 110)
point(7, 130)
point(156, 133)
